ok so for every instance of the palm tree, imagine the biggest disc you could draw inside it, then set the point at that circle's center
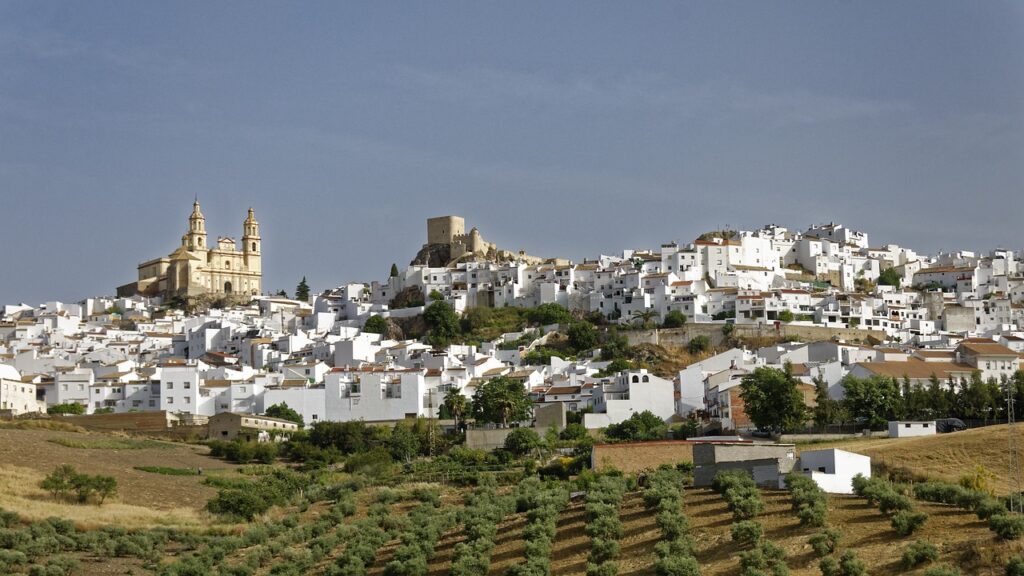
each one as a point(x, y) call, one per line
point(643, 316)
point(456, 404)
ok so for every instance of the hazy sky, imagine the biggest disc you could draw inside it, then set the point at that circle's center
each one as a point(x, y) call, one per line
point(565, 129)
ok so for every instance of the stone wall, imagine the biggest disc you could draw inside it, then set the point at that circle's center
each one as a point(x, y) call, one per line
point(127, 421)
point(680, 337)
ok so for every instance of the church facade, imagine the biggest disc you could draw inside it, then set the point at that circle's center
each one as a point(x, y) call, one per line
point(197, 268)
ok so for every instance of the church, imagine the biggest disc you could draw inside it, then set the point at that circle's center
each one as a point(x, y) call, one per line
point(196, 268)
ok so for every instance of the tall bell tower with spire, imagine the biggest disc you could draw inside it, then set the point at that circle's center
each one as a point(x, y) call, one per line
point(195, 238)
point(251, 242)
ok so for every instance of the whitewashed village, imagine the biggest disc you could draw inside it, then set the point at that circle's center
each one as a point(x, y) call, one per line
point(846, 307)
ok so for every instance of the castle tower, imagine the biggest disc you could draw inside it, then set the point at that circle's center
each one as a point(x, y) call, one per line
point(251, 242)
point(195, 239)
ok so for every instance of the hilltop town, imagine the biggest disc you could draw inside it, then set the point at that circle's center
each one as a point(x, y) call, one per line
point(823, 301)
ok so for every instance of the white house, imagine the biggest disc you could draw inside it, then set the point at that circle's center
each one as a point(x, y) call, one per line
point(15, 395)
point(630, 392)
point(833, 470)
point(908, 429)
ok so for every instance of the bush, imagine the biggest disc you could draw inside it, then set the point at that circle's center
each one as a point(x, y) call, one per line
point(676, 566)
point(942, 571)
point(746, 532)
point(919, 552)
point(825, 542)
point(989, 507)
point(1007, 526)
point(906, 523)
point(1015, 567)
point(522, 441)
point(829, 566)
point(850, 565)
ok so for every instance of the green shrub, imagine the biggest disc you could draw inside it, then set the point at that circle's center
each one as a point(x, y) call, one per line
point(746, 532)
point(942, 571)
point(1007, 526)
point(605, 569)
point(850, 565)
point(829, 566)
point(919, 552)
point(1015, 566)
point(676, 566)
point(825, 542)
point(906, 523)
point(989, 507)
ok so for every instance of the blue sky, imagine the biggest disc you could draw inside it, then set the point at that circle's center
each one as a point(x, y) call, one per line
point(564, 129)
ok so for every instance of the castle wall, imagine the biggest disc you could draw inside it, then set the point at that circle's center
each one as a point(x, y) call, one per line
point(444, 229)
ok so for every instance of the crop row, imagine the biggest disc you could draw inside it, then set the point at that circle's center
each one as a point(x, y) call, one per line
point(674, 552)
point(740, 493)
point(1006, 525)
point(604, 528)
point(542, 505)
point(905, 520)
point(483, 511)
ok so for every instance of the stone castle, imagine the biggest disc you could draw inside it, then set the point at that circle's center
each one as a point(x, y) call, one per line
point(448, 243)
point(198, 269)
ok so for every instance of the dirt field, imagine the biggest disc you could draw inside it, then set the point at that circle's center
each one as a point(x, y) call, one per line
point(963, 540)
point(143, 498)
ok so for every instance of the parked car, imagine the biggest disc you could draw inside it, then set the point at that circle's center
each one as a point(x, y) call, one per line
point(943, 425)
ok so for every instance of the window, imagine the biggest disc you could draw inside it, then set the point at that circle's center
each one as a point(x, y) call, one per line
point(170, 385)
point(188, 400)
point(188, 385)
point(315, 417)
point(906, 425)
point(152, 403)
point(170, 400)
point(223, 406)
point(253, 246)
point(241, 389)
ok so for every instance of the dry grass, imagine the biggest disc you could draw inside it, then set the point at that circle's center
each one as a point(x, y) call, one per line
point(944, 456)
point(20, 492)
point(40, 425)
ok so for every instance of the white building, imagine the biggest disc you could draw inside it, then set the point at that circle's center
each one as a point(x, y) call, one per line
point(17, 396)
point(628, 393)
point(833, 470)
point(909, 429)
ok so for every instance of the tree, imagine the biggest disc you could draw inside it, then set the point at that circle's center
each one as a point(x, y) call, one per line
point(674, 319)
point(827, 410)
point(772, 399)
point(376, 324)
point(640, 426)
point(67, 408)
point(698, 344)
point(876, 400)
point(103, 487)
point(456, 405)
point(522, 441)
point(643, 318)
point(394, 271)
point(283, 412)
point(443, 322)
point(436, 295)
point(786, 316)
point(549, 313)
point(890, 277)
point(403, 444)
point(582, 336)
point(302, 290)
point(59, 482)
point(501, 400)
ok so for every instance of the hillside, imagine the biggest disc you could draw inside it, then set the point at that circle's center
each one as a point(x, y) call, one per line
point(944, 456)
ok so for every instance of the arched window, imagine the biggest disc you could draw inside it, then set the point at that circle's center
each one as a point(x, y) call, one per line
point(227, 287)
point(200, 241)
point(646, 379)
point(636, 379)
point(253, 246)
point(227, 263)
